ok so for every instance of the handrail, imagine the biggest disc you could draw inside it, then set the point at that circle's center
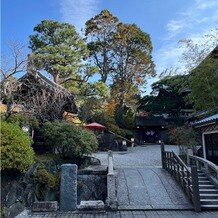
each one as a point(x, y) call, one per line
point(186, 177)
point(119, 136)
point(209, 166)
point(181, 161)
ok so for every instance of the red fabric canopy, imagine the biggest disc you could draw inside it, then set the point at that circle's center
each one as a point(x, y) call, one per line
point(95, 126)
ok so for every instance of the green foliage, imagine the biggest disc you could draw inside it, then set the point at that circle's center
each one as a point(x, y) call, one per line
point(183, 136)
point(45, 182)
point(100, 32)
point(23, 119)
point(125, 118)
point(202, 69)
point(122, 51)
point(58, 49)
point(70, 140)
point(92, 99)
point(135, 47)
point(203, 84)
point(44, 178)
point(167, 96)
point(125, 94)
point(16, 150)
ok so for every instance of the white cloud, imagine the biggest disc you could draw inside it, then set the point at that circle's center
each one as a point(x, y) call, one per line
point(77, 12)
point(202, 4)
point(200, 15)
point(174, 27)
point(170, 56)
point(194, 23)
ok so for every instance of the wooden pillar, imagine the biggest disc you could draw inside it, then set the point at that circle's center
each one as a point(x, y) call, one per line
point(195, 188)
point(162, 155)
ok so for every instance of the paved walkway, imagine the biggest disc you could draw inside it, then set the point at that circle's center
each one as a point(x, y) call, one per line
point(149, 188)
point(149, 156)
point(142, 184)
point(129, 214)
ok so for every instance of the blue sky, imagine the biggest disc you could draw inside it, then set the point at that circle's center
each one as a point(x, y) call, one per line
point(167, 21)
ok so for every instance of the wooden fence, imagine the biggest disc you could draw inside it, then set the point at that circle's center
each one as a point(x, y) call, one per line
point(185, 176)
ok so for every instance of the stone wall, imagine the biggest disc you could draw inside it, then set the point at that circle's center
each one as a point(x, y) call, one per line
point(19, 190)
point(92, 187)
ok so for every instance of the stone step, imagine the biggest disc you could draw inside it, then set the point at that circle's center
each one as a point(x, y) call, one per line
point(91, 205)
point(210, 207)
point(203, 179)
point(209, 201)
point(209, 196)
point(206, 186)
point(208, 191)
point(206, 182)
point(201, 174)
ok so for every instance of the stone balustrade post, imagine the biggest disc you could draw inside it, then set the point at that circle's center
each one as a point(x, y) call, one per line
point(68, 189)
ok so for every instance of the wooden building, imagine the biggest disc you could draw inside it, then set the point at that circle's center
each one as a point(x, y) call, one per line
point(149, 129)
point(209, 130)
point(44, 98)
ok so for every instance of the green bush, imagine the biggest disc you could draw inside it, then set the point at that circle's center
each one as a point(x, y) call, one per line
point(70, 140)
point(16, 150)
point(183, 136)
point(46, 183)
point(44, 178)
point(23, 119)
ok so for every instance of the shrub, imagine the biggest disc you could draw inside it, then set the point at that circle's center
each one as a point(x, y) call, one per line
point(16, 150)
point(45, 182)
point(23, 119)
point(183, 136)
point(45, 178)
point(70, 140)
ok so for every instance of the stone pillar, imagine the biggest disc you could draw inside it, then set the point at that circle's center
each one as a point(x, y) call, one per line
point(68, 192)
point(111, 184)
point(189, 152)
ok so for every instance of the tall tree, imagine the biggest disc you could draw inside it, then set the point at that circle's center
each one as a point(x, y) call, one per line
point(167, 96)
point(100, 32)
point(195, 51)
point(132, 52)
point(122, 51)
point(11, 64)
point(203, 83)
point(58, 49)
point(201, 61)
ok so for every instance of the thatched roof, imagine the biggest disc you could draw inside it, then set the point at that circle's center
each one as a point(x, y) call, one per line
point(43, 96)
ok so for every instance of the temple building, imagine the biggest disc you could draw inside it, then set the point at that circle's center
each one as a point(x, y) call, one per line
point(149, 129)
point(209, 130)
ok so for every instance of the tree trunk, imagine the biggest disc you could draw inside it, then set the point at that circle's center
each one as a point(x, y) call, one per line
point(56, 78)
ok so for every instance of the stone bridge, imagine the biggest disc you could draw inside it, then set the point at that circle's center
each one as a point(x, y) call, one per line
point(142, 183)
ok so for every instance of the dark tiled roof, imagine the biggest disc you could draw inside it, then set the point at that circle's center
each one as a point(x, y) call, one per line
point(207, 120)
point(150, 121)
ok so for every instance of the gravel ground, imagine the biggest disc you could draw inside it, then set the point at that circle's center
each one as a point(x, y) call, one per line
point(137, 157)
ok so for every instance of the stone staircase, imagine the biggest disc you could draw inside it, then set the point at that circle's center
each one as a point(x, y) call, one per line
point(208, 192)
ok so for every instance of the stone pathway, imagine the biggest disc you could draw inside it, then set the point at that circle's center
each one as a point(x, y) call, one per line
point(149, 188)
point(130, 214)
point(141, 183)
point(148, 156)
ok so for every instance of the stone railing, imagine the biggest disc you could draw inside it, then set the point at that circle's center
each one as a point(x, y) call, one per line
point(111, 184)
point(209, 168)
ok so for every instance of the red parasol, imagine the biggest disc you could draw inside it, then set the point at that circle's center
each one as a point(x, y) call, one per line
point(95, 126)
